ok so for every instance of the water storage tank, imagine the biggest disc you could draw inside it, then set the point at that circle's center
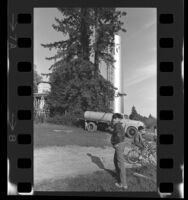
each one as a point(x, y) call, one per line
point(118, 106)
point(98, 116)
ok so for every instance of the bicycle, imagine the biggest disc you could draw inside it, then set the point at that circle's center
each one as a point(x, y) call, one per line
point(148, 155)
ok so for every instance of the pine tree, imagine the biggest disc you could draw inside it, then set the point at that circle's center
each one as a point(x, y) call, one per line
point(150, 116)
point(106, 23)
point(134, 114)
point(149, 121)
point(80, 91)
point(83, 24)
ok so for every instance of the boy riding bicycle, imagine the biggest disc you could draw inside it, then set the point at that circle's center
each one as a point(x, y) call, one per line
point(139, 141)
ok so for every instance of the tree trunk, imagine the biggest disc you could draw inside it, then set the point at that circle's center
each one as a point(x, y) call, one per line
point(96, 58)
point(84, 35)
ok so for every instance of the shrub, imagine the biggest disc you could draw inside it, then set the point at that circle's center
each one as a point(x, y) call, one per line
point(39, 118)
point(68, 119)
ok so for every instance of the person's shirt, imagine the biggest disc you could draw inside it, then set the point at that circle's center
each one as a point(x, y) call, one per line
point(118, 134)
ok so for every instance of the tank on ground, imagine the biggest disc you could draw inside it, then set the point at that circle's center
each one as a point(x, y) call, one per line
point(98, 116)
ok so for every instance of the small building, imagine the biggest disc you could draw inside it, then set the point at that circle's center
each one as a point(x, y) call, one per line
point(40, 107)
point(44, 87)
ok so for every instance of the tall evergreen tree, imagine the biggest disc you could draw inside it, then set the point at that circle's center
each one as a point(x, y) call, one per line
point(74, 26)
point(134, 114)
point(88, 32)
point(106, 24)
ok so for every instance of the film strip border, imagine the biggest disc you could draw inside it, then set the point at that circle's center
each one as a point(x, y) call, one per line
point(169, 48)
point(20, 98)
point(165, 90)
point(20, 134)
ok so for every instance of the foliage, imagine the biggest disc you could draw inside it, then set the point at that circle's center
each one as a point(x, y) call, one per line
point(37, 79)
point(75, 90)
point(134, 114)
point(90, 33)
point(150, 121)
point(67, 119)
point(76, 83)
point(105, 23)
point(75, 27)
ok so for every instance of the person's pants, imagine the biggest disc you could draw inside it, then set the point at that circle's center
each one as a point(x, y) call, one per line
point(119, 162)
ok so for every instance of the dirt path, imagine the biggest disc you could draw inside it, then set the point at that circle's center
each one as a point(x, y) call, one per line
point(53, 163)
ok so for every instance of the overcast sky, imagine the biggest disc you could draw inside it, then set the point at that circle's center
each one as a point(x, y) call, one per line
point(139, 58)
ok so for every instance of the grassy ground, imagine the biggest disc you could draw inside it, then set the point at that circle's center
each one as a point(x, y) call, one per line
point(103, 181)
point(50, 135)
point(44, 135)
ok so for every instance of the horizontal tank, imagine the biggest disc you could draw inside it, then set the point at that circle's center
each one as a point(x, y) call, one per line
point(98, 116)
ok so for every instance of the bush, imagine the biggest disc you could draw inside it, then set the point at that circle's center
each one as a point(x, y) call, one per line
point(68, 119)
point(40, 118)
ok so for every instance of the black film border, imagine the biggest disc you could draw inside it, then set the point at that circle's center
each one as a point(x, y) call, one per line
point(169, 91)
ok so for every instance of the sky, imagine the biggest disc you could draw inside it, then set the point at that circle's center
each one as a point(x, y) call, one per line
point(139, 54)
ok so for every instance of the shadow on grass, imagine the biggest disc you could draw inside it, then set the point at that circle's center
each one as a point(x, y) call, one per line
point(100, 164)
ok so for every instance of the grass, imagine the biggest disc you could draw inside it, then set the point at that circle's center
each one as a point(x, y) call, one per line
point(100, 181)
point(44, 135)
point(103, 181)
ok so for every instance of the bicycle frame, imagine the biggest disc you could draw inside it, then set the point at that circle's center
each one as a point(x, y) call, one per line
point(148, 150)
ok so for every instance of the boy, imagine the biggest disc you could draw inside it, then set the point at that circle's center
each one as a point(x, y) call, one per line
point(117, 140)
point(138, 141)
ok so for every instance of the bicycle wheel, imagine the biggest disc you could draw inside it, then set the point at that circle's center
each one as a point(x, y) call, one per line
point(133, 156)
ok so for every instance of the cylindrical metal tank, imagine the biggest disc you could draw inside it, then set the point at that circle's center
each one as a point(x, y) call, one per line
point(118, 74)
point(98, 116)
